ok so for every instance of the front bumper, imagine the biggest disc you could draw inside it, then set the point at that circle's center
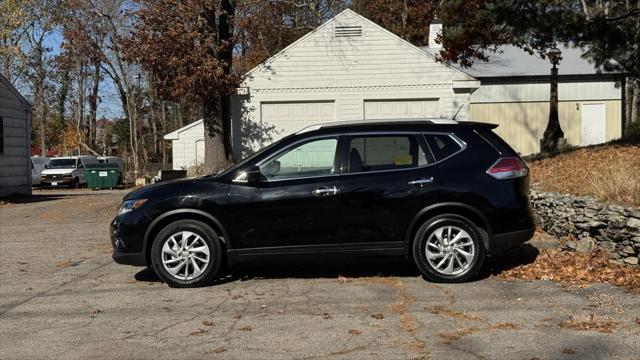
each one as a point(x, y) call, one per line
point(121, 253)
point(506, 241)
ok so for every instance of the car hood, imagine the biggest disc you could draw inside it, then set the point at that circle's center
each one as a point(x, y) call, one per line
point(167, 188)
point(57, 171)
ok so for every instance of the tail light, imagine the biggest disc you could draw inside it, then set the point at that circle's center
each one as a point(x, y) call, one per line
point(508, 168)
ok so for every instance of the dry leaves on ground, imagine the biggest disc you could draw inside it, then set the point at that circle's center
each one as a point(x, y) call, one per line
point(610, 173)
point(589, 324)
point(570, 268)
point(355, 331)
point(377, 316)
point(343, 279)
point(207, 322)
point(218, 350)
point(245, 328)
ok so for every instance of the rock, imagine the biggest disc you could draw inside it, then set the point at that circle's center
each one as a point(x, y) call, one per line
point(631, 260)
point(585, 245)
point(633, 223)
point(628, 250)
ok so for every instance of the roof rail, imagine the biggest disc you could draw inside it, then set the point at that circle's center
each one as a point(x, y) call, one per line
point(377, 121)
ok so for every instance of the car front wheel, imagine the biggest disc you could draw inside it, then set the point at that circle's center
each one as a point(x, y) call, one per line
point(448, 248)
point(186, 253)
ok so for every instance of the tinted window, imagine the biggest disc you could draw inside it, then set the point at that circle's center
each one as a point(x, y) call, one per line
point(384, 152)
point(314, 158)
point(442, 146)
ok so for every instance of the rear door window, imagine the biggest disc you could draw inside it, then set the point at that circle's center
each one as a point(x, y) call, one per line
point(368, 153)
point(442, 145)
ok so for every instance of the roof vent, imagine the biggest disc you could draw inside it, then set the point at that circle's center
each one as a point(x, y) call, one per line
point(348, 31)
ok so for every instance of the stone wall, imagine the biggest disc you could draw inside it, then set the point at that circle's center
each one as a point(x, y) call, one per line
point(593, 224)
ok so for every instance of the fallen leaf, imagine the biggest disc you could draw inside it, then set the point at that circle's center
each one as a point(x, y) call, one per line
point(199, 332)
point(377, 316)
point(245, 328)
point(219, 350)
point(207, 323)
point(342, 279)
point(355, 331)
point(568, 351)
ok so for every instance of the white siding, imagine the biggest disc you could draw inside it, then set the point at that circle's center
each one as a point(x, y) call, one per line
point(532, 91)
point(15, 165)
point(346, 71)
point(188, 149)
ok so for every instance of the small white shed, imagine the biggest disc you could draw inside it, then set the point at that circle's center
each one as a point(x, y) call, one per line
point(15, 143)
point(187, 145)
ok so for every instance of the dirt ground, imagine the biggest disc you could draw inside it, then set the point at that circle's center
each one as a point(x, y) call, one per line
point(62, 297)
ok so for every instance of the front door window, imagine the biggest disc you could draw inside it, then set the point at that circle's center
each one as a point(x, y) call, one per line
point(311, 159)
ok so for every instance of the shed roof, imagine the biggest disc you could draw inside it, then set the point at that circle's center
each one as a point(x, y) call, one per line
point(176, 134)
point(513, 61)
point(12, 88)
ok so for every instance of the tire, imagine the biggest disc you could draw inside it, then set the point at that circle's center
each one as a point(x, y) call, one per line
point(198, 236)
point(462, 260)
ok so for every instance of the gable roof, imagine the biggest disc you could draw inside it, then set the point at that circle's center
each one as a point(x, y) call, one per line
point(13, 90)
point(512, 61)
point(333, 20)
point(175, 135)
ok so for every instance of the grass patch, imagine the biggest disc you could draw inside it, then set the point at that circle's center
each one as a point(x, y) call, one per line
point(609, 173)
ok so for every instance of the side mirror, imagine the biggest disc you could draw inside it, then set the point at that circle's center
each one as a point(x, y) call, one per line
point(46, 166)
point(253, 175)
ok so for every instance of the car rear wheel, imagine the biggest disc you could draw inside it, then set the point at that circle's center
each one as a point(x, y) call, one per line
point(448, 248)
point(186, 253)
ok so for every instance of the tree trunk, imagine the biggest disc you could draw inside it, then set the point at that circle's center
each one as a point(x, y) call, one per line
point(635, 109)
point(93, 104)
point(217, 154)
point(553, 133)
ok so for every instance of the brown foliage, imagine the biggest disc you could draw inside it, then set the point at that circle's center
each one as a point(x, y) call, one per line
point(589, 324)
point(570, 268)
point(610, 173)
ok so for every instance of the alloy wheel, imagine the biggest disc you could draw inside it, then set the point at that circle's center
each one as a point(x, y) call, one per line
point(450, 250)
point(185, 255)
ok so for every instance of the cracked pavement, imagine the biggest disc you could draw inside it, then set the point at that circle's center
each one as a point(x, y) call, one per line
point(62, 297)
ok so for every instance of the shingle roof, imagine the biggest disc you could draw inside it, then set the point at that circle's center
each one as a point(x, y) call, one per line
point(513, 61)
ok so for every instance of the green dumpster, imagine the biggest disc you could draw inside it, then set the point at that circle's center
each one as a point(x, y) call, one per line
point(102, 176)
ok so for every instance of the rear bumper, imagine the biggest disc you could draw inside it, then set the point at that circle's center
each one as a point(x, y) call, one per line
point(506, 241)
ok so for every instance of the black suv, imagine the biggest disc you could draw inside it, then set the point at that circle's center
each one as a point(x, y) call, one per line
point(442, 193)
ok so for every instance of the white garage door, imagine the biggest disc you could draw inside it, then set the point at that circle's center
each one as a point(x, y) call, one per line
point(289, 117)
point(401, 109)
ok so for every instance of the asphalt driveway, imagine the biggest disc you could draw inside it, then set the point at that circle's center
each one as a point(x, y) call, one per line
point(62, 297)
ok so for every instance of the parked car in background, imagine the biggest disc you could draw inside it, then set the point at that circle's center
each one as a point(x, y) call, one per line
point(442, 193)
point(66, 171)
point(38, 164)
point(115, 160)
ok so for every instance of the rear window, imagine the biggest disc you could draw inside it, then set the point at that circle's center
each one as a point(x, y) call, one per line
point(496, 141)
point(442, 145)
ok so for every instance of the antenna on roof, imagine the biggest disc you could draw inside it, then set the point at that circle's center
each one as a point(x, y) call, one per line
point(456, 114)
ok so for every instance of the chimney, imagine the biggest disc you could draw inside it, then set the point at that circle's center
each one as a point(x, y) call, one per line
point(435, 28)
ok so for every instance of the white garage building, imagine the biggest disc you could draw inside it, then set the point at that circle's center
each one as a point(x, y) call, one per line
point(352, 69)
point(187, 148)
point(347, 69)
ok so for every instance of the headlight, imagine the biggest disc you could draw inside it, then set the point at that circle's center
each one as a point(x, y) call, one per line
point(130, 205)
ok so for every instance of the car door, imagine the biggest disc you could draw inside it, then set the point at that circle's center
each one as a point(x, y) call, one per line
point(386, 180)
point(295, 205)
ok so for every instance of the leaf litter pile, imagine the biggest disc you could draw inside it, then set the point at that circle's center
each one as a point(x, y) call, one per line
point(576, 269)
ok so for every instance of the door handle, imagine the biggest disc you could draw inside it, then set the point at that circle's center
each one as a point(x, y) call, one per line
point(421, 182)
point(325, 191)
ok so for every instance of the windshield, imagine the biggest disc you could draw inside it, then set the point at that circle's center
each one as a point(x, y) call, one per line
point(62, 163)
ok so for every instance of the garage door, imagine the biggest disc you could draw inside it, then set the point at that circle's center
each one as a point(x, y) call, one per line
point(289, 117)
point(401, 109)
